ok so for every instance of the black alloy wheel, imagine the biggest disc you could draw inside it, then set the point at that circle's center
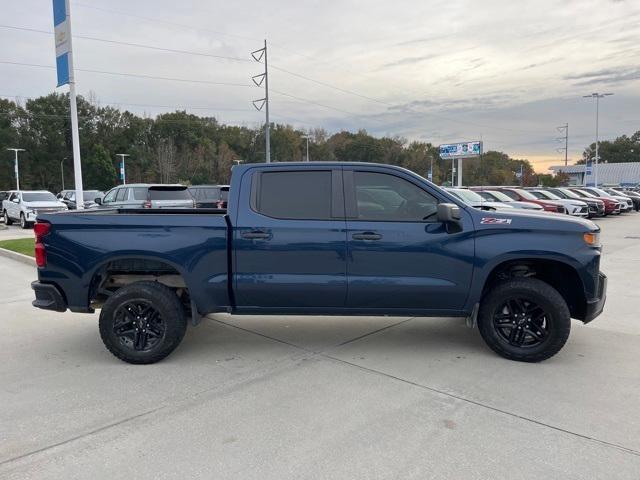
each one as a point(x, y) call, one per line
point(138, 325)
point(522, 322)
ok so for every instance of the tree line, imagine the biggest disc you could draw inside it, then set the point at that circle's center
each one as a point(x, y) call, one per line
point(186, 148)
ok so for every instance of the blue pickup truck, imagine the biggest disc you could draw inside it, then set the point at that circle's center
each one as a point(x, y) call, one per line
point(322, 238)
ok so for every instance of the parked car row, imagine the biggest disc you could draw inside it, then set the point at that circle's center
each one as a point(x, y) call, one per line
point(586, 202)
point(23, 206)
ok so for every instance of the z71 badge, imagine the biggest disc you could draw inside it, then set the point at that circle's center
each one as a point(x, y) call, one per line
point(495, 221)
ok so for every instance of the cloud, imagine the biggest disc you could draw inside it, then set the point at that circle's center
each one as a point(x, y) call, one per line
point(411, 60)
point(606, 76)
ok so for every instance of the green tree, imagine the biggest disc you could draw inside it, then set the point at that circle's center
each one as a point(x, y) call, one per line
point(98, 171)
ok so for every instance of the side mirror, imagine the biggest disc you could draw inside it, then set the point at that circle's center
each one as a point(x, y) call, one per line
point(98, 200)
point(448, 213)
point(16, 200)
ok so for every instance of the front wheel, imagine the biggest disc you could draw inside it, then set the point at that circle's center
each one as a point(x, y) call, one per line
point(23, 222)
point(142, 322)
point(524, 319)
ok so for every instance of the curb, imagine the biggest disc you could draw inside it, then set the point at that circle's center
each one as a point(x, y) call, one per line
point(18, 257)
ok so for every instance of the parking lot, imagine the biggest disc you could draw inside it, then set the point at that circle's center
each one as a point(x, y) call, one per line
point(322, 397)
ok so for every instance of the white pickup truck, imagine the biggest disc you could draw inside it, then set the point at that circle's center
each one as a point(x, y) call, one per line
point(24, 206)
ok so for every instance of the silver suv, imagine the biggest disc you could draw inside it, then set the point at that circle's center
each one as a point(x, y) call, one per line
point(142, 195)
point(24, 206)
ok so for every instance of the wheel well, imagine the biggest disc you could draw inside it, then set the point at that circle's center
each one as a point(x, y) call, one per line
point(118, 273)
point(560, 276)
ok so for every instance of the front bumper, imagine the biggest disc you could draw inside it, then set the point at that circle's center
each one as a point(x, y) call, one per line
point(596, 305)
point(48, 297)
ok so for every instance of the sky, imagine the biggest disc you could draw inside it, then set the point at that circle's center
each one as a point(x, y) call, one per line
point(503, 71)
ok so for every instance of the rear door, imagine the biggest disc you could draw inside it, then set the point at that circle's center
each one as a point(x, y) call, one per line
point(399, 255)
point(289, 240)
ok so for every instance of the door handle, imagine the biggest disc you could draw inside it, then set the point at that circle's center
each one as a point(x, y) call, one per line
point(366, 236)
point(255, 234)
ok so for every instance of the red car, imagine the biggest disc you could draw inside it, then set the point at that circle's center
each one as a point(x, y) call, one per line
point(524, 196)
point(611, 206)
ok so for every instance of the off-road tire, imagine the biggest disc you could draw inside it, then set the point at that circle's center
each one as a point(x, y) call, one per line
point(544, 295)
point(164, 301)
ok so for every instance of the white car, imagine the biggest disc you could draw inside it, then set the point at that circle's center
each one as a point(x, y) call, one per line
point(577, 208)
point(472, 198)
point(24, 206)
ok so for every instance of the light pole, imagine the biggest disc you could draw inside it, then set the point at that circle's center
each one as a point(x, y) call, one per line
point(597, 96)
point(15, 151)
point(123, 175)
point(306, 137)
point(62, 171)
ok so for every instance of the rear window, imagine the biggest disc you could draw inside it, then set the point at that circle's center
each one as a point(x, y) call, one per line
point(295, 195)
point(169, 193)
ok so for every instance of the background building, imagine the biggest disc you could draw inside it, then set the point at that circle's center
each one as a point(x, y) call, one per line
point(624, 174)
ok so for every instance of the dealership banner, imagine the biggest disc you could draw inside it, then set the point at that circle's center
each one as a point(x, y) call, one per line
point(460, 150)
point(62, 32)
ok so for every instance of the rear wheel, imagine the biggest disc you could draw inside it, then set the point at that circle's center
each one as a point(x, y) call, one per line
point(524, 319)
point(142, 323)
point(7, 220)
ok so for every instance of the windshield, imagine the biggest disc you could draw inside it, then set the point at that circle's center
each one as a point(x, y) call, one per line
point(569, 193)
point(586, 194)
point(467, 195)
point(525, 194)
point(500, 196)
point(39, 197)
point(549, 195)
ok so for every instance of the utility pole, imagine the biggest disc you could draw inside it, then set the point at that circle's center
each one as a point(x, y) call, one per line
point(62, 171)
point(306, 137)
point(564, 128)
point(123, 173)
point(259, 79)
point(15, 151)
point(597, 96)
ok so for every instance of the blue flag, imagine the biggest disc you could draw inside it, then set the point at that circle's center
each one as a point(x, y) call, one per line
point(63, 39)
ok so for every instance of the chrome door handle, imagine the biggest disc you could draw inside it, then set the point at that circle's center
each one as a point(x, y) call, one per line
point(255, 234)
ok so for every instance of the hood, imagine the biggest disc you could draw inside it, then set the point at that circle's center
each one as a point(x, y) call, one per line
point(538, 220)
point(52, 204)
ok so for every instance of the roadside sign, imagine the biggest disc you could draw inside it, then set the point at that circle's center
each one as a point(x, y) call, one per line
point(460, 150)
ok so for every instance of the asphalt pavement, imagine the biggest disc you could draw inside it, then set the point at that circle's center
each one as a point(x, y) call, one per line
point(322, 397)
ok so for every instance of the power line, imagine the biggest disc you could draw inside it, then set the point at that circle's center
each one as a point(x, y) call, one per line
point(132, 44)
point(135, 75)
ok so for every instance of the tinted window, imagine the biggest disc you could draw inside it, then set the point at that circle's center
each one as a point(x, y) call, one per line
point(168, 193)
point(295, 195)
point(385, 197)
point(121, 196)
point(39, 197)
point(139, 193)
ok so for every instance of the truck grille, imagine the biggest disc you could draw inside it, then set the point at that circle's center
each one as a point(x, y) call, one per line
point(561, 210)
point(47, 210)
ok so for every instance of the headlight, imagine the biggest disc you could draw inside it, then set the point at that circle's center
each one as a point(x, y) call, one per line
point(592, 239)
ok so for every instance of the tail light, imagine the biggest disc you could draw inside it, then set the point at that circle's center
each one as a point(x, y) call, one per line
point(40, 229)
point(147, 204)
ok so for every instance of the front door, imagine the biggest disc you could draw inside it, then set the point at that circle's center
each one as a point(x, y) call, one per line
point(290, 240)
point(399, 255)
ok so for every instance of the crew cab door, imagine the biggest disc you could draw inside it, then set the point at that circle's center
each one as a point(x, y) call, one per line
point(398, 255)
point(289, 240)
